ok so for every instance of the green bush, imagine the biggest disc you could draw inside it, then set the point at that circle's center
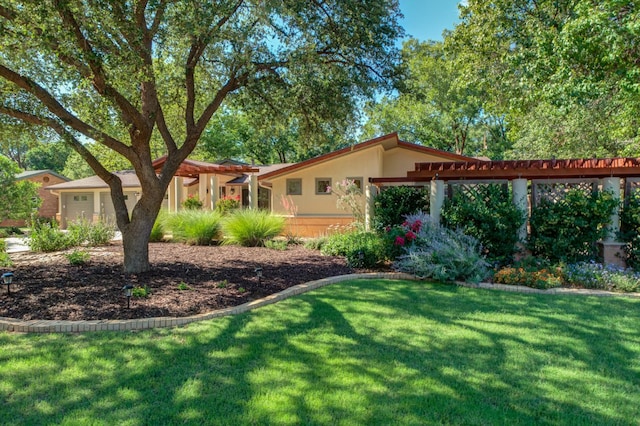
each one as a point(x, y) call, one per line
point(392, 204)
point(605, 277)
point(361, 249)
point(227, 205)
point(78, 257)
point(630, 230)
point(5, 260)
point(100, 234)
point(47, 237)
point(276, 244)
point(194, 227)
point(490, 216)
point(316, 243)
point(192, 203)
point(568, 230)
point(433, 251)
point(251, 228)
point(157, 232)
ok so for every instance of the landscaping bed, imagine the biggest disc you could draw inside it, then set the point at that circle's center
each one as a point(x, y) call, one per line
point(184, 280)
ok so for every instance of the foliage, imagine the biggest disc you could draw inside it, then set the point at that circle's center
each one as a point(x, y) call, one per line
point(392, 204)
point(10, 231)
point(488, 215)
point(568, 229)
point(542, 278)
point(93, 234)
point(251, 228)
point(630, 229)
point(276, 244)
point(48, 156)
point(433, 251)
point(18, 199)
point(47, 237)
point(350, 199)
point(192, 203)
point(5, 260)
point(228, 204)
point(437, 105)
point(141, 292)
point(361, 249)
point(194, 227)
point(604, 277)
point(78, 257)
point(316, 243)
point(157, 232)
point(133, 81)
point(183, 286)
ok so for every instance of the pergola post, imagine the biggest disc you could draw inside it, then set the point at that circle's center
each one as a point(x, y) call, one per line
point(437, 199)
point(203, 188)
point(612, 185)
point(178, 184)
point(213, 191)
point(371, 191)
point(519, 191)
point(253, 191)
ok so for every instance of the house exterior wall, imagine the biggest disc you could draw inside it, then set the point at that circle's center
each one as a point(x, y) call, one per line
point(49, 206)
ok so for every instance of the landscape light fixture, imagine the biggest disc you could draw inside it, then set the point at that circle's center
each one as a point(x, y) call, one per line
point(258, 272)
point(7, 278)
point(128, 291)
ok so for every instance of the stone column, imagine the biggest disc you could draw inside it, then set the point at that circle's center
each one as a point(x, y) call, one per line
point(213, 191)
point(253, 191)
point(520, 200)
point(370, 195)
point(612, 185)
point(203, 189)
point(178, 185)
point(96, 208)
point(437, 199)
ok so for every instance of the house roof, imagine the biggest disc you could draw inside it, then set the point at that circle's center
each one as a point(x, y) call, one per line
point(193, 168)
point(33, 173)
point(387, 142)
point(262, 171)
point(128, 178)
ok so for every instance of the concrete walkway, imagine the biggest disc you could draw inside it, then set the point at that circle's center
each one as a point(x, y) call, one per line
point(16, 244)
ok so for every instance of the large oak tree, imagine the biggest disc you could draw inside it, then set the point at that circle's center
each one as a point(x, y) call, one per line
point(128, 74)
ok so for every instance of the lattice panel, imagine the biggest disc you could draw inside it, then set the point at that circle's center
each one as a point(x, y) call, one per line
point(557, 191)
point(631, 189)
point(477, 191)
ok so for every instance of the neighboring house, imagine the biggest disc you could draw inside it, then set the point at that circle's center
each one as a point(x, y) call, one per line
point(44, 178)
point(305, 183)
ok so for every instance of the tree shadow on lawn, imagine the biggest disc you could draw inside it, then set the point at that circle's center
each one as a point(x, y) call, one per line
point(315, 359)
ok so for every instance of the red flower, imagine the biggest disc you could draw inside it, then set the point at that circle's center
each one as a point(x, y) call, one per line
point(416, 226)
point(410, 236)
point(399, 241)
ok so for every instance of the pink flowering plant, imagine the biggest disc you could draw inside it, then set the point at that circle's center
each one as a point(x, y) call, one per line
point(398, 238)
point(350, 199)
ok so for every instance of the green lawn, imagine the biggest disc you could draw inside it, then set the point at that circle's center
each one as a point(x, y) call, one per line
point(359, 352)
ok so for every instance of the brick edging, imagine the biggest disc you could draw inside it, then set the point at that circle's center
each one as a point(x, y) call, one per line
point(52, 326)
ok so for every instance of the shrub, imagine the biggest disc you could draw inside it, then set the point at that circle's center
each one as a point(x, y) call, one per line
point(47, 237)
point(92, 234)
point(78, 257)
point(350, 199)
point(194, 227)
point(5, 260)
point(543, 278)
point(392, 204)
point(568, 230)
point(141, 292)
point(157, 232)
point(251, 228)
point(488, 215)
point(192, 203)
point(276, 244)
point(436, 252)
point(630, 230)
point(316, 243)
point(361, 249)
point(598, 276)
point(228, 204)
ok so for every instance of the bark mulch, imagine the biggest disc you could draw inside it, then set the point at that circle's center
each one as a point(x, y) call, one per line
point(184, 280)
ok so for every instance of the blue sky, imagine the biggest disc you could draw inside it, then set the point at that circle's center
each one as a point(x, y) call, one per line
point(426, 19)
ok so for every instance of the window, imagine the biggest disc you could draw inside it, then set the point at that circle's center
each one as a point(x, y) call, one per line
point(80, 198)
point(294, 186)
point(357, 181)
point(322, 184)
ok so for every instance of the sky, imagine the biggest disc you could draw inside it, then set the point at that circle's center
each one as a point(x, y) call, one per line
point(426, 19)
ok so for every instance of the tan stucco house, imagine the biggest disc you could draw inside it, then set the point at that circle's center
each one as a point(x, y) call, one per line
point(304, 183)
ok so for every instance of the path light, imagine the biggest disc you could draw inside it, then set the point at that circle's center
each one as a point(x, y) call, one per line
point(258, 272)
point(128, 291)
point(7, 278)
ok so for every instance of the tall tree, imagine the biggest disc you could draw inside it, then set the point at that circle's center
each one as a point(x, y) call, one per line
point(559, 69)
point(121, 73)
point(434, 104)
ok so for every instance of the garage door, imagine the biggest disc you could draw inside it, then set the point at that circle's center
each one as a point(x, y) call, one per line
point(78, 205)
point(108, 212)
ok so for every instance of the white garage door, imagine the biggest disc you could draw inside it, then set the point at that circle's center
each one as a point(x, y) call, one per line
point(78, 205)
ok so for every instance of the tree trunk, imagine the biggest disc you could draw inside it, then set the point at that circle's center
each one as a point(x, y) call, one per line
point(135, 243)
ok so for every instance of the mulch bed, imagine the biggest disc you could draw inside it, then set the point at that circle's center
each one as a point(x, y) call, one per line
point(47, 287)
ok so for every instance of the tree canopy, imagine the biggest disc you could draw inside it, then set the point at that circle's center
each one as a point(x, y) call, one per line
point(18, 199)
point(135, 76)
